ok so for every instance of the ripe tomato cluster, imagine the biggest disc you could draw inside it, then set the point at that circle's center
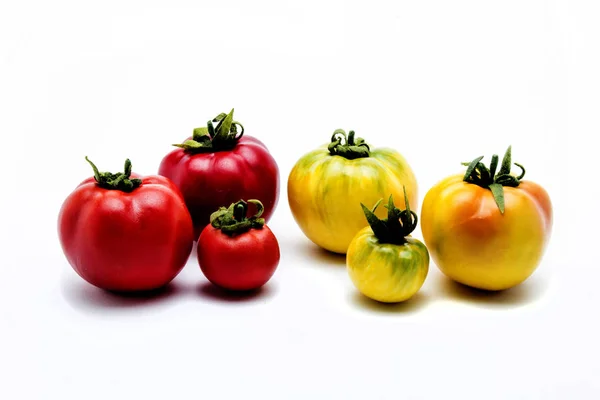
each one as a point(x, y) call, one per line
point(123, 233)
point(487, 228)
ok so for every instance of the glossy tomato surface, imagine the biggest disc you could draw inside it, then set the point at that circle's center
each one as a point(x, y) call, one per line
point(387, 272)
point(473, 243)
point(122, 241)
point(241, 262)
point(325, 192)
point(216, 179)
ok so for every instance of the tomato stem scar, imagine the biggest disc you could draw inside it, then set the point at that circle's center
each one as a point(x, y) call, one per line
point(211, 138)
point(398, 224)
point(477, 173)
point(118, 181)
point(347, 145)
point(233, 220)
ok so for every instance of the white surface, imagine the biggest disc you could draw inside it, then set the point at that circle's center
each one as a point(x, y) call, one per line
point(441, 81)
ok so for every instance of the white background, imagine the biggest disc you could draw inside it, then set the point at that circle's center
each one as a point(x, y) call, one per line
point(440, 81)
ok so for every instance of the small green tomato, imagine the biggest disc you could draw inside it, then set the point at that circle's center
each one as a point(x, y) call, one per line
point(384, 262)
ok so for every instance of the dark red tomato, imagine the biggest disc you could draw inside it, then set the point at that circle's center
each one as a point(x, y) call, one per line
point(238, 253)
point(124, 233)
point(217, 166)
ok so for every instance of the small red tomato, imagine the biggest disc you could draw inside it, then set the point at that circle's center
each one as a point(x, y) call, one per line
point(218, 166)
point(124, 233)
point(236, 252)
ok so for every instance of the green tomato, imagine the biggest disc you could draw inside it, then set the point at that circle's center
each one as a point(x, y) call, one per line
point(383, 261)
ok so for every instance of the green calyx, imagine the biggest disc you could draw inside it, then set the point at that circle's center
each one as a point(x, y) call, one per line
point(480, 175)
point(233, 220)
point(119, 181)
point(398, 224)
point(347, 145)
point(211, 138)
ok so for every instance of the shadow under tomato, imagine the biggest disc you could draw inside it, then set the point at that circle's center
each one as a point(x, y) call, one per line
point(520, 295)
point(215, 293)
point(316, 253)
point(83, 295)
point(414, 304)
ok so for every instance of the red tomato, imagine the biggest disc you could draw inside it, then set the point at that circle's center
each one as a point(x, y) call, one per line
point(235, 252)
point(124, 233)
point(217, 166)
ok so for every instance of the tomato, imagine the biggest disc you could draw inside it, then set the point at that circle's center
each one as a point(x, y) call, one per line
point(217, 166)
point(485, 229)
point(384, 262)
point(124, 233)
point(327, 185)
point(236, 252)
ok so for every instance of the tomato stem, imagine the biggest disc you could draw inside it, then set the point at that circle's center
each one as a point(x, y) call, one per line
point(477, 173)
point(398, 224)
point(211, 138)
point(119, 181)
point(347, 145)
point(233, 220)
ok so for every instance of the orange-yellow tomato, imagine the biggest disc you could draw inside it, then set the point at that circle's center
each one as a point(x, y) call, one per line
point(473, 243)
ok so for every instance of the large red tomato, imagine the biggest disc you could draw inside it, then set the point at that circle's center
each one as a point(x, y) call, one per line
point(124, 233)
point(218, 166)
point(236, 252)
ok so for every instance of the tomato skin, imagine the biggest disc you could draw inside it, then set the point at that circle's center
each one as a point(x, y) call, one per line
point(242, 262)
point(386, 272)
point(126, 242)
point(474, 244)
point(212, 180)
point(325, 192)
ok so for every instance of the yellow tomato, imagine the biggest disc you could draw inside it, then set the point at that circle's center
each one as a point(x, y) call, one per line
point(327, 186)
point(383, 261)
point(485, 230)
